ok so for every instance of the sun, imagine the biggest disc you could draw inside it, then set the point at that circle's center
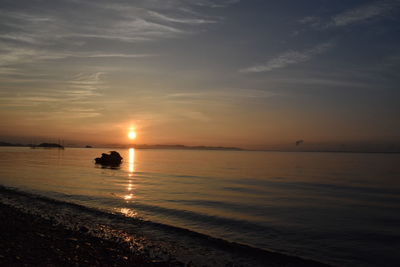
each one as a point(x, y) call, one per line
point(131, 135)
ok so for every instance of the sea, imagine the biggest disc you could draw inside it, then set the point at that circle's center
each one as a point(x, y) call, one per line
point(341, 209)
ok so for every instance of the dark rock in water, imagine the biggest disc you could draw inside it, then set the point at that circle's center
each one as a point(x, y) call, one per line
point(112, 159)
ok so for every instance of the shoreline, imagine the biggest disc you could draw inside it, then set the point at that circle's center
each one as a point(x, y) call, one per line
point(27, 240)
point(148, 245)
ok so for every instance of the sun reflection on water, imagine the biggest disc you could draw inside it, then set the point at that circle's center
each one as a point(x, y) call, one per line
point(131, 169)
point(128, 197)
point(131, 162)
point(128, 212)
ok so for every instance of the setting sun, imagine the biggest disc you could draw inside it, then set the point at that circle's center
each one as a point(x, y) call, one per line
point(132, 135)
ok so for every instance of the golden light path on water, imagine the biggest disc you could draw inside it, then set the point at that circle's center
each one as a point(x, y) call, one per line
point(130, 187)
point(131, 161)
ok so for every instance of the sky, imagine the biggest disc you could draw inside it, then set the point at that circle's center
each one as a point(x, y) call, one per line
point(204, 72)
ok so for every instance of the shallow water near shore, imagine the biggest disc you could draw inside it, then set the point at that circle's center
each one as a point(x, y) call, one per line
point(337, 208)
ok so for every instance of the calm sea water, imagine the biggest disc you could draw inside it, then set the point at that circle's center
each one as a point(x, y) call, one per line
point(338, 208)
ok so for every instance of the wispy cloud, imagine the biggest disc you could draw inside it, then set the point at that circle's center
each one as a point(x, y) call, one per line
point(215, 4)
point(12, 56)
point(180, 20)
point(93, 29)
point(114, 55)
point(313, 21)
point(73, 98)
point(85, 85)
point(221, 94)
point(365, 12)
point(119, 21)
point(288, 58)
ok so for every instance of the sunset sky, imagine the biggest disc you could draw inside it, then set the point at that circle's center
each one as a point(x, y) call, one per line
point(227, 72)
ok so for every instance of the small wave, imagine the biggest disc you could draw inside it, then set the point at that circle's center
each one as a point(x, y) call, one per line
point(361, 192)
point(241, 189)
point(209, 220)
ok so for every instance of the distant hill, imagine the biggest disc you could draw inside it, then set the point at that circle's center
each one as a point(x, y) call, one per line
point(186, 147)
point(12, 144)
point(49, 145)
point(42, 145)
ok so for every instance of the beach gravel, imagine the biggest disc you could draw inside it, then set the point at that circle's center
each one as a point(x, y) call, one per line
point(26, 240)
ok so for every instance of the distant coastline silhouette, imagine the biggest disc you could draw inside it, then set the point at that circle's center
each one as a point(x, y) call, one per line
point(48, 145)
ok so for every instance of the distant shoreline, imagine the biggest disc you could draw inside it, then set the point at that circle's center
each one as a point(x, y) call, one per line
point(213, 148)
point(328, 151)
point(183, 147)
